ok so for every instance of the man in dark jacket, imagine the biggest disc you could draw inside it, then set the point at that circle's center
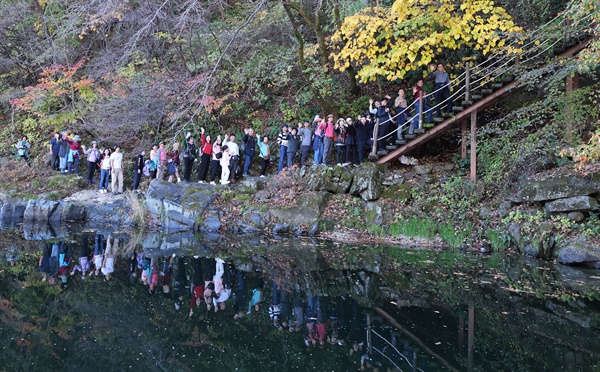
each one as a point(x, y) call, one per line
point(63, 153)
point(138, 169)
point(250, 144)
point(361, 137)
point(383, 114)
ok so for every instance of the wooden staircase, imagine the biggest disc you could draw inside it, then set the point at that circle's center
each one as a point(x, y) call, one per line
point(488, 96)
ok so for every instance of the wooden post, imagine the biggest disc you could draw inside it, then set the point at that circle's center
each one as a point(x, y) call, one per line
point(421, 110)
point(468, 81)
point(471, 337)
point(369, 340)
point(473, 146)
point(414, 358)
point(572, 82)
point(463, 141)
point(461, 333)
point(373, 154)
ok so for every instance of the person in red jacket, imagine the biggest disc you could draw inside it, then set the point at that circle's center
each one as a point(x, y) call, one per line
point(206, 152)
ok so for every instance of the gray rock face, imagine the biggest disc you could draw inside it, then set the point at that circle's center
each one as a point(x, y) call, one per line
point(577, 203)
point(179, 206)
point(308, 209)
point(576, 216)
point(39, 210)
point(558, 188)
point(250, 185)
point(373, 214)
point(368, 181)
point(577, 252)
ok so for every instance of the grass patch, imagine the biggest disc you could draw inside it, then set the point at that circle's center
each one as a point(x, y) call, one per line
point(499, 241)
point(138, 209)
point(414, 227)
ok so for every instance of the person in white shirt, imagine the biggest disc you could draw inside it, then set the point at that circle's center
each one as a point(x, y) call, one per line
point(116, 166)
point(110, 256)
point(234, 152)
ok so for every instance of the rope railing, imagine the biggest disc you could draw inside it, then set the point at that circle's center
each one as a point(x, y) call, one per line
point(490, 73)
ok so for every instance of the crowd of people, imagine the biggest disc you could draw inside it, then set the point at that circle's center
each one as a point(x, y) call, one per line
point(329, 141)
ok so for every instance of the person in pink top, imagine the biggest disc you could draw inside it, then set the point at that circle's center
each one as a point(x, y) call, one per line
point(328, 130)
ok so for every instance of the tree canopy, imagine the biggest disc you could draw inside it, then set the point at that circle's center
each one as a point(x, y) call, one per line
point(390, 42)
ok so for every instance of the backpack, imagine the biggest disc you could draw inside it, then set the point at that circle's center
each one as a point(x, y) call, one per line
point(146, 170)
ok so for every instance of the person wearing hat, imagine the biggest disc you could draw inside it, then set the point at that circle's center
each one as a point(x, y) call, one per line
point(138, 169)
point(93, 158)
point(282, 142)
point(73, 155)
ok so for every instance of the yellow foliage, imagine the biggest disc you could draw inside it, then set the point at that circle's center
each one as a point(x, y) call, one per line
point(390, 42)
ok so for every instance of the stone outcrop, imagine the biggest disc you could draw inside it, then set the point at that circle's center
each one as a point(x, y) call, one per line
point(577, 203)
point(577, 252)
point(365, 181)
point(308, 209)
point(178, 206)
point(558, 188)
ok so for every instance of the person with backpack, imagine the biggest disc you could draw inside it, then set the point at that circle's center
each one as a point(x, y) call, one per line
point(138, 169)
point(215, 161)
point(205, 155)
point(23, 148)
point(249, 149)
point(173, 163)
point(189, 156)
point(93, 157)
point(153, 166)
point(73, 157)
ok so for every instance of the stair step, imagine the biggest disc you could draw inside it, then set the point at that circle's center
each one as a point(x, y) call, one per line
point(486, 91)
point(457, 108)
point(497, 85)
point(467, 103)
point(382, 153)
point(391, 147)
point(410, 136)
point(508, 79)
point(559, 49)
point(373, 157)
point(428, 125)
point(475, 97)
point(400, 142)
point(438, 120)
point(419, 131)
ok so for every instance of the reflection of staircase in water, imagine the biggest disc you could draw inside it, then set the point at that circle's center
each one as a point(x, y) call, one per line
point(491, 82)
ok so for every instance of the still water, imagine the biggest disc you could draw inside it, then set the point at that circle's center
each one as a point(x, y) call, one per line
point(84, 299)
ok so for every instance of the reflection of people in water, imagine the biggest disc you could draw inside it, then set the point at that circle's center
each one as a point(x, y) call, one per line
point(44, 263)
point(209, 272)
point(197, 285)
point(297, 320)
point(110, 257)
point(166, 269)
point(180, 282)
point(256, 293)
point(12, 255)
point(84, 264)
point(241, 296)
point(98, 253)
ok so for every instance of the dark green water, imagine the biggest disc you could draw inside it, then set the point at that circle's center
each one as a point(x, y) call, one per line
point(398, 309)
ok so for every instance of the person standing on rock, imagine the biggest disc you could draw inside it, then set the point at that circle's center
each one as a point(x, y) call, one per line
point(215, 160)
point(225, 159)
point(73, 156)
point(249, 150)
point(205, 155)
point(328, 140)
point(360, 127)
point(138, 170)
point(234, 153)
point(162, 161)
point(264, 154)
point(319, 126)
point(54, 150)
point(93, 156)
point(104, 171)
point(292, 148)
point(305, 134)
point(173, 163)
point(189, 156)
point(63, 154)
point(23, 148)
point(116, 168)
point(282, 142)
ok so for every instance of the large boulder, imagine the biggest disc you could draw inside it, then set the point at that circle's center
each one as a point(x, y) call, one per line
point(368, 181)
point(308, 209)
point(577, 203)
point(558, 188)
point(179, 206)
point(39, 210)
point(333, 179)
point(577, 252)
